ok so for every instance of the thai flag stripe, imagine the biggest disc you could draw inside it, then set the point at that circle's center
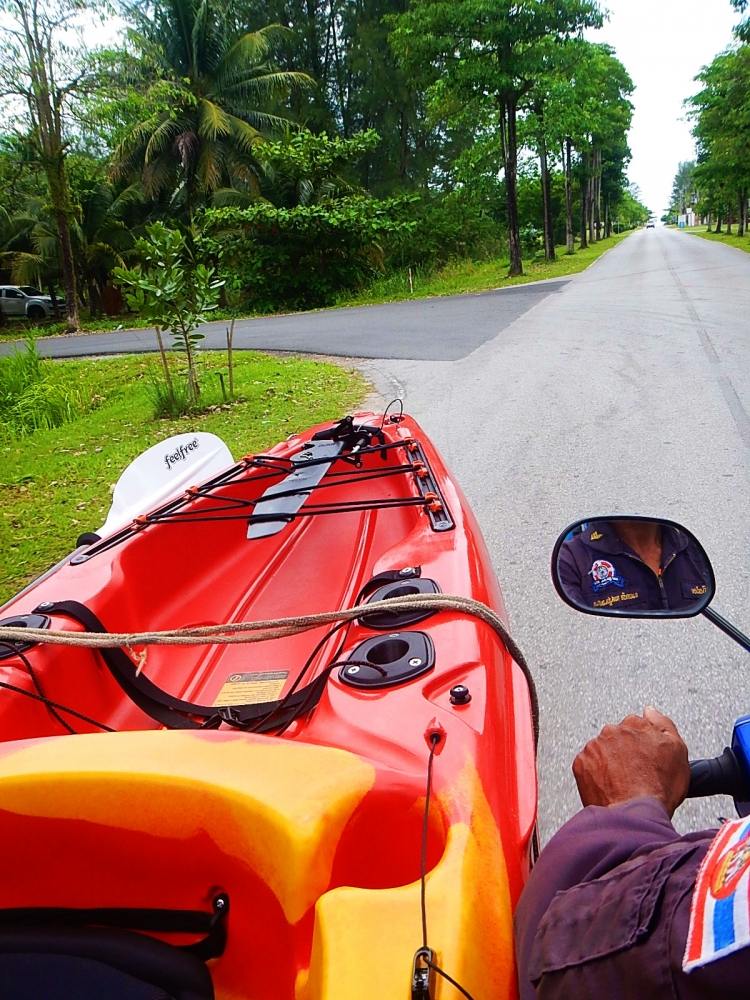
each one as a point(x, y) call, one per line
point(723, 922)
point(699, 934)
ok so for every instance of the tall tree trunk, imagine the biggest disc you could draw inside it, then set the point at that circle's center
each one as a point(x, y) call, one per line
point(598, 193)
point(45, 105)
point(509, 149)
point(68, 271)
point(403, 146)
point(607, 219)
point(549, 235)
point(584, 203)
point(590, 203)
point(569, 243)
point(741, 214)
point(718, 223)
point(95, 301)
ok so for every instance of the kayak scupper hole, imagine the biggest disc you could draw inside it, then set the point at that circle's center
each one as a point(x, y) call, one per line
point(388, 651)
point(405, 591)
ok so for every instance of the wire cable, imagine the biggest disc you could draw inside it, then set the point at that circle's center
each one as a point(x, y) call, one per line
point(434, 742)
point(53, 706)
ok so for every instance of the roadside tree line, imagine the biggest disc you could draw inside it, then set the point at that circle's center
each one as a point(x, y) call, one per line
point(716, 186)
point(322, 141)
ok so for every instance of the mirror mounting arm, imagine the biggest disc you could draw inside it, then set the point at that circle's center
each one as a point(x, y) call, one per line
point(726, 626)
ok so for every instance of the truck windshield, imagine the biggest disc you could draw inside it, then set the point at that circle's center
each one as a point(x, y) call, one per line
point(29, 290)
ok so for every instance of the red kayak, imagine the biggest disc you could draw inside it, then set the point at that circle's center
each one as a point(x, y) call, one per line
point(287, 778)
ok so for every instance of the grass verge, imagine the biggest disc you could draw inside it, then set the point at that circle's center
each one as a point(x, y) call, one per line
point(55, 484)
point(466, 276)
point(741, 242)
point(17, 329)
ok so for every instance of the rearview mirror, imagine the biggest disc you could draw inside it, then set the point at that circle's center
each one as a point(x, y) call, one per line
point(632, 567)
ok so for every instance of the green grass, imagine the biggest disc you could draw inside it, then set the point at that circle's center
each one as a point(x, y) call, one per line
point(466, 276)
point(741, 242)
point(55, 484)
point(17, 329)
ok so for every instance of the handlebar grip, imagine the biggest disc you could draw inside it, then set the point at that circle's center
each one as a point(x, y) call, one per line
point(720, 775)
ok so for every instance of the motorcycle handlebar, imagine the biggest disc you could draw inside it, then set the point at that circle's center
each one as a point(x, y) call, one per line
point(717, 776)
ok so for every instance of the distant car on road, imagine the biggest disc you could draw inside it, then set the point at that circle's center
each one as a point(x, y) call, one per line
point(25, 300)
point(650, 224)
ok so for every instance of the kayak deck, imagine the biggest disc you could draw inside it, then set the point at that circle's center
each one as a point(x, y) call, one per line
point(315, 833)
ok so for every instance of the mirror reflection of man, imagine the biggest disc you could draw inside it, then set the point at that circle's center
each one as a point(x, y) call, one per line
point(633, 565)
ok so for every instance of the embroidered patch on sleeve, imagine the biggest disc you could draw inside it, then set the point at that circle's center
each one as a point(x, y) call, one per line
point(720, 907)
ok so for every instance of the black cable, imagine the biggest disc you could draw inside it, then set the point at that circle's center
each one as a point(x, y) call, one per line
point(311, 510)
point(434, 741)
point(232, 477)
point(234, 502)
point(56, 704)
point(385, 412)
point(331, 666)
point(35, 681)
point(441, 972)
point(297, 681)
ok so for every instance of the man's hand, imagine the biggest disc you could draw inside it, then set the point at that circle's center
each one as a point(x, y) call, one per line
point(644, 755)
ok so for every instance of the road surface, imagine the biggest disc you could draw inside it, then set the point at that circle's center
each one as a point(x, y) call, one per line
point(428, 329)
point(624, 389)
point(627, 391)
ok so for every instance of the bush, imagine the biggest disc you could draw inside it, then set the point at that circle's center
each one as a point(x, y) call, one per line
point(301, 257)
point(531, 239)
point(34, 394)
point(445, 228)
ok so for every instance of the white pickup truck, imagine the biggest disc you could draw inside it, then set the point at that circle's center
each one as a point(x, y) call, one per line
point(25, 300)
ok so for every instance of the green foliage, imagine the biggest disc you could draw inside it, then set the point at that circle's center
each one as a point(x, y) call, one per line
point(303, 168)
point(631, 211)
point(302, 257)
point(34, 396)
point(487, 54)
point(173, 291)
point(203, 105)
point(223, 99)
point(443, 228)
point(169, 399)
point(531, 239)
point(684, 189)
point(721, 125)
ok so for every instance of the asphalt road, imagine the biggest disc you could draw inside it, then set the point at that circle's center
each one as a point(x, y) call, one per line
point(438, 329)
point(626, 392)
point(624, 389)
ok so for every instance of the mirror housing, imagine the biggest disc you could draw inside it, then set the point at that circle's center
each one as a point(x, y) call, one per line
point(630, 566)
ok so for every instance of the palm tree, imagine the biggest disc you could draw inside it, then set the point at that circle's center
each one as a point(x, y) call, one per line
point(223, 92)
point(102, 233)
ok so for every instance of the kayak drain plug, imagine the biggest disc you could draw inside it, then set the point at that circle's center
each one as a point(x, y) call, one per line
point(460, 695)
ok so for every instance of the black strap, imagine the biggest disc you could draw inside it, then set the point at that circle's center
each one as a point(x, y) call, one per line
point(211, 925)
point(168, 709)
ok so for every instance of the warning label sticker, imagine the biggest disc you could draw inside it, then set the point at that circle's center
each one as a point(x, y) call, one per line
point(252, 688)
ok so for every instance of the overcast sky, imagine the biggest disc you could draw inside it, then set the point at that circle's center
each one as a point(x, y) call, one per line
point(663, 44)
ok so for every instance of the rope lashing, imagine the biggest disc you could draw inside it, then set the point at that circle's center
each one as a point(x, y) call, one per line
point(279, 628)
